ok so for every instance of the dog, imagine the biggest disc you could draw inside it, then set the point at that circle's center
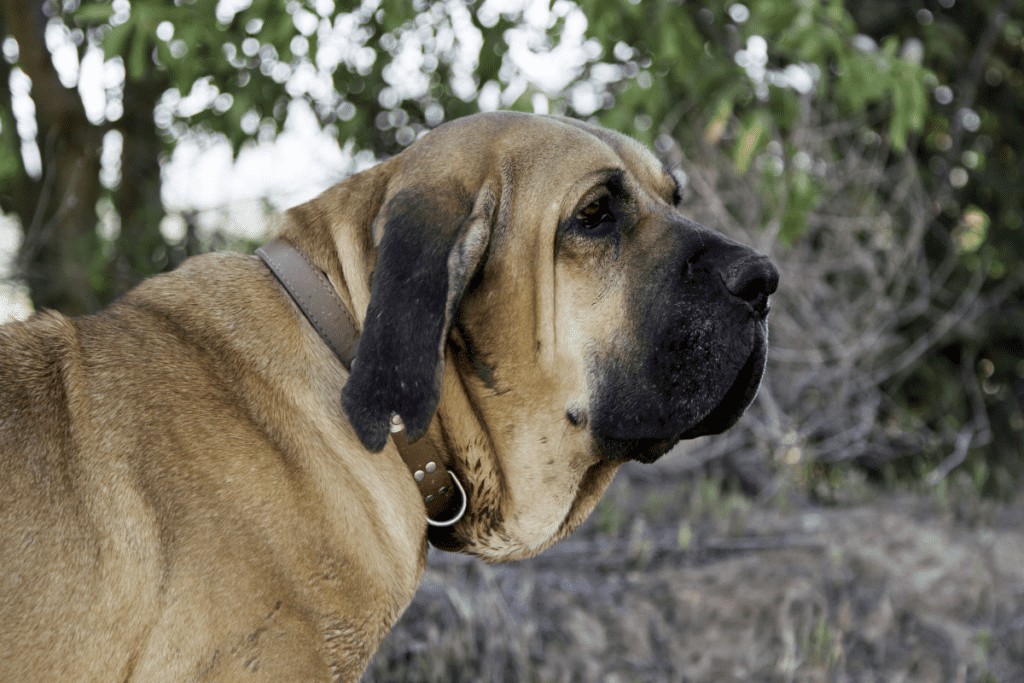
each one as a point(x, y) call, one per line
point(197, 484)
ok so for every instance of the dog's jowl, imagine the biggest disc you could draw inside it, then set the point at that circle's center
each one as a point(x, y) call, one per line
point(233, 471)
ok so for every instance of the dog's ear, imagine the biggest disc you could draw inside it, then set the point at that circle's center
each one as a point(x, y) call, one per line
point(434, 241)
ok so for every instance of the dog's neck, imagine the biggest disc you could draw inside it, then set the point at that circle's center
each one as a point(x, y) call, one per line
point(442, 493)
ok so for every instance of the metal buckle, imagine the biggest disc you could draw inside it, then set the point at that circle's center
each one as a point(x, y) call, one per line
point(462, 510)
point(398, 425)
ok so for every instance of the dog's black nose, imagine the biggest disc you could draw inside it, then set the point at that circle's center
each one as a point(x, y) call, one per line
point(752, 278)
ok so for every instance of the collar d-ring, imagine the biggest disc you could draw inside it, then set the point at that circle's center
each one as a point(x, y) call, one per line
point(462, 508)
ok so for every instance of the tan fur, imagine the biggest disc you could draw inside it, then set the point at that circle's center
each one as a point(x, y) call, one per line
point(181, 495)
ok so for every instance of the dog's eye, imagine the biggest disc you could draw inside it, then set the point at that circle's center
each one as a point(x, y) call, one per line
point(597, 219)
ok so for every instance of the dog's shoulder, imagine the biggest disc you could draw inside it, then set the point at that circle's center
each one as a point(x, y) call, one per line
point(34, 356)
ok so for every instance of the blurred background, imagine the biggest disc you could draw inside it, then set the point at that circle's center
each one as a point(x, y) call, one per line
point(873, 148)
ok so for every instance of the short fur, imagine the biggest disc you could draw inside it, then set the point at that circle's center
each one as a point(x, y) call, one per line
point(193, 488)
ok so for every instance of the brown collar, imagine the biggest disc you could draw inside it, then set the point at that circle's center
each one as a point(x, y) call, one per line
point(442, 493)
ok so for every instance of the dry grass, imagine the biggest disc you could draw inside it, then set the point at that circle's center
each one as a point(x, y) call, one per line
point(901, 589)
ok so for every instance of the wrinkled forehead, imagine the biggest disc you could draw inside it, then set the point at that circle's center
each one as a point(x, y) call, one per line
point(649, 172)
point(470, 149)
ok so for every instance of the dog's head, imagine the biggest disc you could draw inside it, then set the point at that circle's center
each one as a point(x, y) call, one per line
point(583, 321)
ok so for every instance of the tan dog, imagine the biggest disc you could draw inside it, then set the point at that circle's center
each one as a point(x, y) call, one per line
point(183, 496)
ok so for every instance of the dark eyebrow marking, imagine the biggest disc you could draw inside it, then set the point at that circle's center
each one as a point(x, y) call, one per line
point(677, 191)
point(612, 179)
point(616, 182)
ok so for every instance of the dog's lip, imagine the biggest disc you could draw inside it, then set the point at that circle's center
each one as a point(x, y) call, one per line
point(724, 414)
point(718, 417)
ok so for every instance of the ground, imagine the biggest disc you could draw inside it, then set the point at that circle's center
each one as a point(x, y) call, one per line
point(672, 580)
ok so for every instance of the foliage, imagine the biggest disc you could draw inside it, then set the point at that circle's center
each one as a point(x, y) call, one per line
point(379, 73)
point(241, 63)
point(969, 387)
point(383, 72)
point(851, 140)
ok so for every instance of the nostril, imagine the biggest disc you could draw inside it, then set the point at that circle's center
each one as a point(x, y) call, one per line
point(751, 278)
point(749, 290)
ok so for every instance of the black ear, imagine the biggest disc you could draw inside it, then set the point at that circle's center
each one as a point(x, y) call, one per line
point(433, 242)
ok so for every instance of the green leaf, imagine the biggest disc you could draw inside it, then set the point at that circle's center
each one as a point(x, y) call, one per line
point(524, 102)
point(93, 13)
point(751, 139)
point(138, 57)
point(115, 41)
point(492, 52)
point(396, 13)
point(716, 126)
point(899, 122)
point(803, 196)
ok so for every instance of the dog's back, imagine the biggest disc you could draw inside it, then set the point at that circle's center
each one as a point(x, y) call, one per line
point(67, 591)
point(147, 474)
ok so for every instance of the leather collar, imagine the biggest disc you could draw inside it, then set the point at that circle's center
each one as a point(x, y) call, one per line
point(440, 489)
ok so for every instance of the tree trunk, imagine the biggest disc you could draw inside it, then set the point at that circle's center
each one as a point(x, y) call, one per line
point(58, 211)
point(141, 248)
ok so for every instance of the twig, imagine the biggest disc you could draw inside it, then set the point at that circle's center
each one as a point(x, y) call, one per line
point(963, 443)
point(967, 301)
point(977, 433)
